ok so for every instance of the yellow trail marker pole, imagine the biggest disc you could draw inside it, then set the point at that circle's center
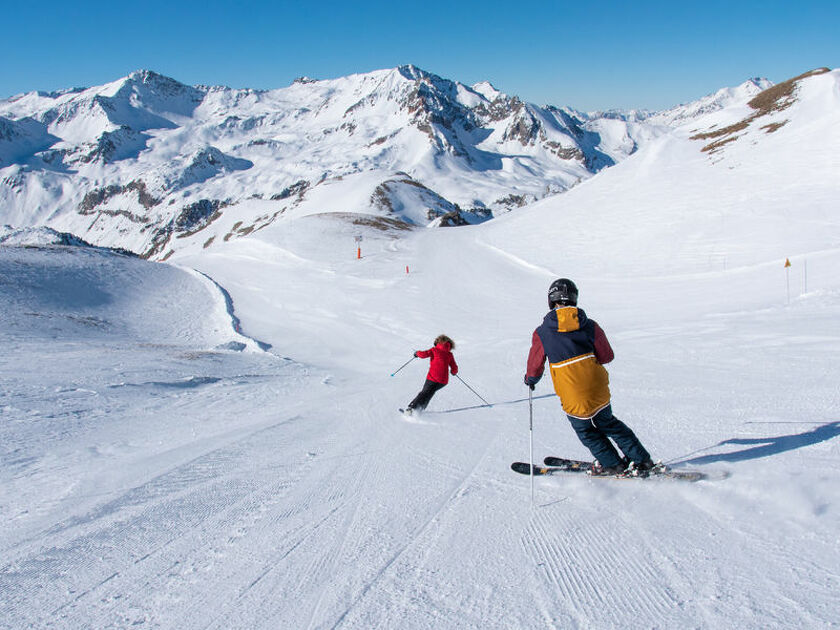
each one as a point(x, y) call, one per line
point(787, 278)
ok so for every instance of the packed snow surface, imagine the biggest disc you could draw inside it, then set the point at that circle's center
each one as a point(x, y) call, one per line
point(181, 452)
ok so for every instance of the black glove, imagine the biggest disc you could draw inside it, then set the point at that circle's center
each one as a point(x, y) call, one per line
point(415, 355)
point(530, 381)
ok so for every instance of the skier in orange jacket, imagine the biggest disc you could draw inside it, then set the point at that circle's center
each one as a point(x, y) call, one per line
point(577, 349)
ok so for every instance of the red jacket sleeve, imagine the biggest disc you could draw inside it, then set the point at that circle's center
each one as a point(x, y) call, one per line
point(603, 349)
point(536, 358)
point(453, 367)
point(424, 354)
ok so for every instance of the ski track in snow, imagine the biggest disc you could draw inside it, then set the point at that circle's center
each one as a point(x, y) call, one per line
point(417, 544)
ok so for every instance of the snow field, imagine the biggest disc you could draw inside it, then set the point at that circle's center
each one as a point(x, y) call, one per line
point(699, 382)
point(194, 502)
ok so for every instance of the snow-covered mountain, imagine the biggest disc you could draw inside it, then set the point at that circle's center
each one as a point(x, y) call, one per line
point(717, 101)
point(38, 237)
point(161, 468)
point(149, 164)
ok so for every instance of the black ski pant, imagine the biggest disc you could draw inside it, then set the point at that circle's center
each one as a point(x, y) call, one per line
point(595, 434)
point(422, 399)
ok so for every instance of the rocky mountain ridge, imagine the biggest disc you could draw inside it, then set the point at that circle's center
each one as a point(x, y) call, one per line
point(144, 160)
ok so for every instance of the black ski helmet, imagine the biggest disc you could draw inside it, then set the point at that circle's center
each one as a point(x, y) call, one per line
point(562, 291)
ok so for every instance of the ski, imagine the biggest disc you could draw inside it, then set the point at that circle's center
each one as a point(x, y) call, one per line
point(575, 465)
point(558, 465)
point(525, 469)
point(660, 470)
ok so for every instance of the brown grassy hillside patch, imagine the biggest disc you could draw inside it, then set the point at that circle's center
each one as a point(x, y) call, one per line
point(780, 96)
point(775, 126)
point(724, 131)
point(714, 146)
point(773, 99)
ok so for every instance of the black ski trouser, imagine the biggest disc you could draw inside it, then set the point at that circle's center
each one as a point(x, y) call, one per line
point(595, 433)
point(422, 399)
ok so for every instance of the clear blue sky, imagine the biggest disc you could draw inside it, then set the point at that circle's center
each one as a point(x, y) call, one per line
point(595, 55)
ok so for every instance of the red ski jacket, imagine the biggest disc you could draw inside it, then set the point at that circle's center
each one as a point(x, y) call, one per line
point(442, 363)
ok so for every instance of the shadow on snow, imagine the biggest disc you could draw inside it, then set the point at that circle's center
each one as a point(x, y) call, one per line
point(506, 402)
point(766, 447)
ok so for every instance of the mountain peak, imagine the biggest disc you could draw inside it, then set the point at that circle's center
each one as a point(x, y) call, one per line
point(156, 92)
point(413, 73)
point(487, 90)
point(147, 76)
point(152, 80)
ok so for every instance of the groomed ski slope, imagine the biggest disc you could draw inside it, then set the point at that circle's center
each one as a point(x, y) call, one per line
point(155, 477)
point(439, 533)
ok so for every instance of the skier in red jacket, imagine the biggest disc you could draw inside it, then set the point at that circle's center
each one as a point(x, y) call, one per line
point(442, 363)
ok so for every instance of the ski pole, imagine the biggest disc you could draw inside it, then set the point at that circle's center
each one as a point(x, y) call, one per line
point(473, 391)
point(531, 440)
point(404, 364)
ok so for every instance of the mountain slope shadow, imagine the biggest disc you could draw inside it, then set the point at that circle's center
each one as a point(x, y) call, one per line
point(766, 447)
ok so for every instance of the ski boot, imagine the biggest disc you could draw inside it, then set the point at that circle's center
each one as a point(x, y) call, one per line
point(598, 470)
point(645, 468)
